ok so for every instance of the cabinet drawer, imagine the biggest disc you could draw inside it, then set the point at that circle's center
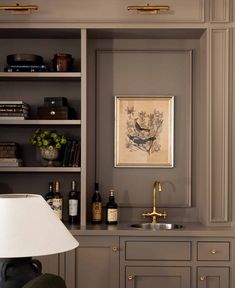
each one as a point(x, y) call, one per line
point(158, 250)
point(210, 251)
point(110, 11)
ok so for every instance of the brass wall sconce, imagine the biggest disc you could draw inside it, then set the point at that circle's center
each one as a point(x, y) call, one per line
point(19, 9)
point(149, 9)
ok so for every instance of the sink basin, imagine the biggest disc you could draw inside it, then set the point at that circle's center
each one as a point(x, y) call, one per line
point(157, 226)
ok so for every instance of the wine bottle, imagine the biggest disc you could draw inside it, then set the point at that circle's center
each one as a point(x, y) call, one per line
point(74, 204)
point(57, 201)
point(96, 206)
point(111, 209)
point(50, 194)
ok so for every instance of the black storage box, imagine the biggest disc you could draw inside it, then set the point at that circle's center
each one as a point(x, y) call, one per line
point(56, 113)
point(55, 101)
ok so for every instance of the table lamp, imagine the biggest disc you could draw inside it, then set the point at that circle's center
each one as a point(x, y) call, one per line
point(28, 228)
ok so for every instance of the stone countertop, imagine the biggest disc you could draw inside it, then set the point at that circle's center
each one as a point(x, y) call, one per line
point(124, 229)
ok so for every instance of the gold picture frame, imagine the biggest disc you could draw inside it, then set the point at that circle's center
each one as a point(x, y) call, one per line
point(144, 131)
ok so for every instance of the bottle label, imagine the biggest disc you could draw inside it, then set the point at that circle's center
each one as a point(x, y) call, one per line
point(49, 201)
point(96, 211)
point(57, 207)
point(112, 215)
point(73, 207)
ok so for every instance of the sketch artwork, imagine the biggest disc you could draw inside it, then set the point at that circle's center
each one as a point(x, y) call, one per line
point(144, 131)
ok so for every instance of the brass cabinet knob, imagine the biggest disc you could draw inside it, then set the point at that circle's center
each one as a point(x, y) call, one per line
point(114, 248)
point(202, 278)
point(130, 277)
point(213, 251)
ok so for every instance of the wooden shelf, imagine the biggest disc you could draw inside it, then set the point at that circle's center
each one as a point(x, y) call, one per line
point(40, 169)
point(39, 76)
point(40, 122)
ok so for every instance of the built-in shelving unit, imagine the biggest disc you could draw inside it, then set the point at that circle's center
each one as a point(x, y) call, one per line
point(32, 88)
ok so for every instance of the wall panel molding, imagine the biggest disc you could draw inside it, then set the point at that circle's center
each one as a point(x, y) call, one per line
point(218, 123)
point(219, 11)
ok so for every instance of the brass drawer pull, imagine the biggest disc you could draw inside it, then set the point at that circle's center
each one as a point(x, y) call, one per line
point(149, 9)
point(202, 278)
point(213, 251)
point(130, 277)
point(52, 112)
point(114, 248)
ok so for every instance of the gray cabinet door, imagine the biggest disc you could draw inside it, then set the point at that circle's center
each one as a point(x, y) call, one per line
point(97, 262)
point(50, 263)
point(213, 277)
point(154, 277)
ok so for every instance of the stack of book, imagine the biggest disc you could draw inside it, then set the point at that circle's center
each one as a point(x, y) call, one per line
point(9, 155)
point(14, 110)
point(26, 68)
point(72, 154)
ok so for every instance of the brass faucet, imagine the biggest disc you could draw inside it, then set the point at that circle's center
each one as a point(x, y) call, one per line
point(154, 214)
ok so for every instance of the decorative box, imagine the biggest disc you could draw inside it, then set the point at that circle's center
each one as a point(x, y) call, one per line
point(56, 113)
point(55, 101)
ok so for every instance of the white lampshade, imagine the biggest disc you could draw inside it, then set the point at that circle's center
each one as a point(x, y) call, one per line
point(29, 227)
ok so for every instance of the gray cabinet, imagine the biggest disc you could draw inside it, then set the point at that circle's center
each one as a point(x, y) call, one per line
point(213, 277)
point(155, 262)
point(154, 277)
point(176, 262)
point(50, 263)
point(215, 251)
point(97, 262)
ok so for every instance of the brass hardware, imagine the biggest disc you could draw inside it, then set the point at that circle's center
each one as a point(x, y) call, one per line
point(52, 112)
point(202, 278)
point(213, 251)
point(154, 214)
point(149, 9)
point(114, 248)
point(130, 277)
point(19, 9)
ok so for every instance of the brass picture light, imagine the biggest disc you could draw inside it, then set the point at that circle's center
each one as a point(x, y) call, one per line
point(19, 9)
point(149, 9)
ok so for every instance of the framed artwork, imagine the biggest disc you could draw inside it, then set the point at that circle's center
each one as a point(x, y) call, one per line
point(144, 131)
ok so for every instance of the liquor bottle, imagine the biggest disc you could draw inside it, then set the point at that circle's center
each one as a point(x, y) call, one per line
point(57, 201)
point(96, 206)
point(50, 194)
point(111, 209)
point(74, 204)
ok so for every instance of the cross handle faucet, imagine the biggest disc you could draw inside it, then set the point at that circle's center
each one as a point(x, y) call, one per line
point(154, 214)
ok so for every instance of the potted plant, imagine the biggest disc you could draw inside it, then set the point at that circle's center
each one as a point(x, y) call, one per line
point(49, 142)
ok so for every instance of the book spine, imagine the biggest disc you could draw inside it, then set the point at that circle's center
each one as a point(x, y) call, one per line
point(2, 102)
point(11, 164)
point(67, 153)
point(8, 144)
point(77, 156)
point(10, 160)
point(13, 110)
point(72, 152)
point(14, 106)
point(13, 118)
point(13, 114)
